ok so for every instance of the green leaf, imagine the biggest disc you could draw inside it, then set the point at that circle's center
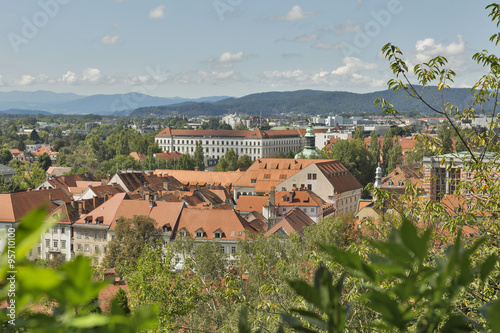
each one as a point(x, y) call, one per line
point(89, 321)
point(491, 313)
point(487, 266)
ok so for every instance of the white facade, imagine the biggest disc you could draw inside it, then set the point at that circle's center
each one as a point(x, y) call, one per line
point(312, 178)
point(231, 119)
point(55, 242)
point(322, 139)
point(215, 146)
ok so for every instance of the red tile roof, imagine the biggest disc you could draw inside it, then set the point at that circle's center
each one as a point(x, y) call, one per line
point(256, 133)
point(338, 175)
point(232, 225)
point(202, 178)
point(14, 206)
point(248, 203)
point(293, 221)
point(164, 213)
point(169, 156)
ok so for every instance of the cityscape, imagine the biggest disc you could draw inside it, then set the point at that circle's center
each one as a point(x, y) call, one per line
point(311, 178)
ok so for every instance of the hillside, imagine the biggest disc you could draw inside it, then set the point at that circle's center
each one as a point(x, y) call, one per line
point(309, 102)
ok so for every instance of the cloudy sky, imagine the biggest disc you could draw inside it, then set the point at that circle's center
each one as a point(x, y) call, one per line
point(195, 48)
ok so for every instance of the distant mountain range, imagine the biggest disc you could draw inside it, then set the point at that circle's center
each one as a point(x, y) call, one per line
point(307, 102)
point(310, 102)
point(45, 101)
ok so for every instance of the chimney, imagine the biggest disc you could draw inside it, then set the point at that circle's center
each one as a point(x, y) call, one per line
point(155, 197)
point(108, 179)
point(50, 196)
point(147, 196)
point(63, 179)
point(72, 203)
point(272, 196)
point(196, 169)
point(150, 173)
point(94, 202)
point(292, 194)
point(80, 207)
point(165, 185)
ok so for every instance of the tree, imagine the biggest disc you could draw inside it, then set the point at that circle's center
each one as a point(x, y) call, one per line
point(131, 237)
point(386, 151)
point(241, 127)
point(44, 161)
point(199, 156)
point(244, 162)
point(186, 162)
point(34, 136)
point(229, 162)
point(355, 157)
point(5, 156)
point(395, 156)
point(224, 126)
point(445, 133)
point(374, 146)
point(359, 133)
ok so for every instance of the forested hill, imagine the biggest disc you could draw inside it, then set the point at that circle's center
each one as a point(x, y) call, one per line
point(312, 102)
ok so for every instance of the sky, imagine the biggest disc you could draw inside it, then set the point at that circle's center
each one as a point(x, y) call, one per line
point(199, 48)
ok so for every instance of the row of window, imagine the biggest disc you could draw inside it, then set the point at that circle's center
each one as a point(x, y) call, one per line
point(86, 234)
point(55, 244)
point(56, 230)
point(214, 142)
point(86, 248)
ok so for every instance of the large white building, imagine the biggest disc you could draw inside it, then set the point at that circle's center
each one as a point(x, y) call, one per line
point(254, 143)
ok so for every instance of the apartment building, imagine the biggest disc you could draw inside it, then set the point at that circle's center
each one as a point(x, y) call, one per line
point(254, 143)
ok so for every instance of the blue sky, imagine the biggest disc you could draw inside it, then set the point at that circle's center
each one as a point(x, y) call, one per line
point(195, 48)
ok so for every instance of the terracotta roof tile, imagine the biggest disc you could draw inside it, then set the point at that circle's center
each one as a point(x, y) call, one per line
point(293, 221)
point(229, 222)
point(251, 203)
point(189, 177)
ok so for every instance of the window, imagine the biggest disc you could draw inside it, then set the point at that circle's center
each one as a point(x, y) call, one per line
point(96, 249)
point(79, 247)
point(222, 249)
point(267, 176)
point(233, 233)
point(309, 187)
point(96, 237)
point(239, 233)
point(63, 230)
point(233, 249)
point(86, 247)
point(217, 234)
point(254, 181)
point(199, 234)
point(63, 256)
point(47, 243)
point(86, 235)
point(104, 248)
point(54, 231)
point(63, 244)
point(47, 256)
point(55, 244)
point(283, 176)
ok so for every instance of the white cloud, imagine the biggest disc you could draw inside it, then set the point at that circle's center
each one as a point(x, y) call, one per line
point(294, 14)
point(352, 65)
point(91, 75)
point(230, 57)
point(344, 76)
point(69, 78)
point(27, 80)
point(348, 27)
point(157, 12)
point(328, 46)
point(428, 48)
point(305, 38)
point(227, 59)
point(110, 40)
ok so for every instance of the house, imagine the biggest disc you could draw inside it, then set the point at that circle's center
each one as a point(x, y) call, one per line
point(169, 156)
point(221, 225)
point(15, 206)
point(22, 156)
point(58, 171)
point(93, 231)
point(7, 172)
point(328, 179)
point(138, 156)
point(400, 177)
point(293, 221)
point(141, 182)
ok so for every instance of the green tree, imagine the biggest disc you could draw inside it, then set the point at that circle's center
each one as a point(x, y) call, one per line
point(131, 237)
point(44, 161)
point(199, 156)
point(445, 133)
point(374, 146)
point(359, 133)
point(186, 162)
point(229, 162)
point(387, 147)
point(5, 156)
point(34, 136)
point(224, 126)
point(395, 156)
point(244, 161)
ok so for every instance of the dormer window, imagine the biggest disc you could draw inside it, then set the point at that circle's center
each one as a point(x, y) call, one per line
point(199, 234)
point(217, 234)
point(182, 233)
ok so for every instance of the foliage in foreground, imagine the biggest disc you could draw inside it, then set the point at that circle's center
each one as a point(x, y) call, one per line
point(69, 289)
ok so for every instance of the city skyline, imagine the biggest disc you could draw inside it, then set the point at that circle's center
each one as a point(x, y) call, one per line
point(230, 47)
